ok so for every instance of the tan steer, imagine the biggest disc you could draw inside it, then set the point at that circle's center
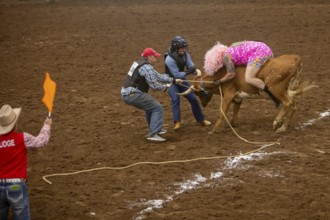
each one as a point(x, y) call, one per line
point(281, 74)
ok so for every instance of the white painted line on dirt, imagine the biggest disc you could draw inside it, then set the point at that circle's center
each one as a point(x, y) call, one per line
point(230, 163)
point(313, 121)
point(158, 203)
point(197, 181)
point(190, 184)
point(216, 175)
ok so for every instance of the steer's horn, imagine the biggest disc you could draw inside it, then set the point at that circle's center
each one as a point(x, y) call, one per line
point(191, 88)
point(199, 73)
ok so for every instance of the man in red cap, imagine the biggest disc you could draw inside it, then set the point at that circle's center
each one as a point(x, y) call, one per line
point(134, 92)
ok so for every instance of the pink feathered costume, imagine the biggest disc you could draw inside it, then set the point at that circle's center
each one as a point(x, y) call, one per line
point(242, 53)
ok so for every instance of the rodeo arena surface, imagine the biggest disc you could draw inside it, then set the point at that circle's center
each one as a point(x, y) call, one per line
point(98, 163)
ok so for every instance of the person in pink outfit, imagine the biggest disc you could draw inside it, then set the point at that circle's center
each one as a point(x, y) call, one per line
point(13, 162)
point(253, 54)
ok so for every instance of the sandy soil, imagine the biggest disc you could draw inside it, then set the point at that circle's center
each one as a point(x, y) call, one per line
point(88, 46)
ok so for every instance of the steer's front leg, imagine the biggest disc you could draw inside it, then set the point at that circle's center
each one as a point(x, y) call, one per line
point(236, 108)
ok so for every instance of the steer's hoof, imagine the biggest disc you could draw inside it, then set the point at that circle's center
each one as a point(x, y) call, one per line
point(280, 130)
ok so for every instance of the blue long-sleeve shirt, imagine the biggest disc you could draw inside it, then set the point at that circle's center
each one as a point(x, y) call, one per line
point(153, 79)
point(174, 69)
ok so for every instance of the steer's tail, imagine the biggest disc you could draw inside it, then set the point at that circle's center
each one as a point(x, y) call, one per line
point(297, 88)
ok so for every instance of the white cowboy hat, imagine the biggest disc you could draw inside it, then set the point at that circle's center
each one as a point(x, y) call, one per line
point(8, 118)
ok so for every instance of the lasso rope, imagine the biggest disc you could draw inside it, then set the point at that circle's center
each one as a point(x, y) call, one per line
point(150, 163)
point(188, 80)
point(265, 144)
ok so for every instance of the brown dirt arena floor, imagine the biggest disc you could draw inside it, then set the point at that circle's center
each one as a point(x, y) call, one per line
point(88, 46)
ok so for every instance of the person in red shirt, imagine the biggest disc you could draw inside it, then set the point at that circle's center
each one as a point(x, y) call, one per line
point(13, 162)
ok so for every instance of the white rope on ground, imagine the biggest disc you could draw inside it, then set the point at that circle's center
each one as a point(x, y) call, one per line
point(149, 163)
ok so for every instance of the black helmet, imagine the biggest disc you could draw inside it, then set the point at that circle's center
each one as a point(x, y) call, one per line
point(178, 42)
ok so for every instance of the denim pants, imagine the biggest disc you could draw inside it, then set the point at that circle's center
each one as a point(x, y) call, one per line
point(195, 107)
point(153, 110)
point(16, 197)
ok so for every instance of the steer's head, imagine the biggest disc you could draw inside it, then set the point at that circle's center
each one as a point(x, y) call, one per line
point(204, 97)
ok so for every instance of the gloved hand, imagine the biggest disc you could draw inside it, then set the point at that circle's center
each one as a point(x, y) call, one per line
point(191, 70)
point(177, 81)
point(217, 82)
point(168, 85)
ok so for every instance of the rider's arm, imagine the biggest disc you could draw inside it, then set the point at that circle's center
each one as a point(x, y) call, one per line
point(230, 67)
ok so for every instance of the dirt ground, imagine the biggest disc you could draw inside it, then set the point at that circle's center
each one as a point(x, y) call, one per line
point(88, 47)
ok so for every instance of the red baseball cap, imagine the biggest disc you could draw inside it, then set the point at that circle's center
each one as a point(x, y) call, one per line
point(150, 52)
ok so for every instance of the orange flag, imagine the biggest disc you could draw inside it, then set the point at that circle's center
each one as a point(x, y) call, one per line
point(49, 89)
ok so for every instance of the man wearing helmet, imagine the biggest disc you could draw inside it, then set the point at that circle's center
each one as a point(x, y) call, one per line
point(178, 64)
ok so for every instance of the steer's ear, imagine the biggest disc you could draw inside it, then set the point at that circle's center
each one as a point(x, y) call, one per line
point(204, 97)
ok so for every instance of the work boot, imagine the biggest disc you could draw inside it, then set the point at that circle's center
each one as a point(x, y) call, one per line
point(177, 125)
point(206, 123)
point(275, 100)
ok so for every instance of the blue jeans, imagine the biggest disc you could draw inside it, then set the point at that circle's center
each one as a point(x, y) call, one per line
point(153, 110)
point(195, 107)
point(16, 197)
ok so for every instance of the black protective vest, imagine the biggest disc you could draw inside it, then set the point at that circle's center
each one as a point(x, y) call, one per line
point(134, 79)
point(180, 62)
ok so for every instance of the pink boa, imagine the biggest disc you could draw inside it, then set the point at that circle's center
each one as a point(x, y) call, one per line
point(213, 59)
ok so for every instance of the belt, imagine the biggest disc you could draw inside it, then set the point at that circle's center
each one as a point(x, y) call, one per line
point(12, 180)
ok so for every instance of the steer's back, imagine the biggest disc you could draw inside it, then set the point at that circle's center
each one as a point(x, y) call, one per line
point(276, 73)
point(280, 70)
